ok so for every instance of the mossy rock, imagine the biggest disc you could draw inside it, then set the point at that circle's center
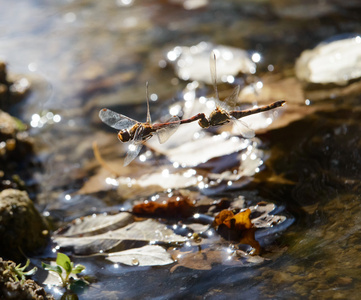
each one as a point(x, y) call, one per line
point(22, 228)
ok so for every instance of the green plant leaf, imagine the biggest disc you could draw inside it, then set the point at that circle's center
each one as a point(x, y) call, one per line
point(77, 269)
point(48, 267)
point(31, 272)
point(64, 261)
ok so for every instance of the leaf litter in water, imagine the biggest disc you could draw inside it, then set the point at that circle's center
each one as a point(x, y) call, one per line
point(192, 231)
point(150, 255)
point(148, 231)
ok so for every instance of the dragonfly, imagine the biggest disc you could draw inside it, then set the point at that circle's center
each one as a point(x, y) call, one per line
point(222, 115)
point(137, 133)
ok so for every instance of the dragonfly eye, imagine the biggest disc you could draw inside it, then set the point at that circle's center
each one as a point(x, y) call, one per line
point(204, 123)
point(123, 136)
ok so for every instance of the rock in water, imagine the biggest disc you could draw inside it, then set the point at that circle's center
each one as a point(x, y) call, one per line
point(22, 228)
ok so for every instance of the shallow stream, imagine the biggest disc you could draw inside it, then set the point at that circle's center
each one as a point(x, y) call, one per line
point(81, 56)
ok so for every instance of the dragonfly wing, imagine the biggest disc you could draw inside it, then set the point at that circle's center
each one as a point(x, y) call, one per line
point(115, 120)
point(240, 127)
point(167, 131)
point(133, 151)
point(213, 69)
point(134, 146)
point(231, 101)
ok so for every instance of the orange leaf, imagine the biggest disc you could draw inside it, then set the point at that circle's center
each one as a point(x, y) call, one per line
point(223, 217)
point(242, 220)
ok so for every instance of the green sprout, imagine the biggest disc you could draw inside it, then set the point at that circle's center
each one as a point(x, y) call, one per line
point(17, 272)
point(64, 263)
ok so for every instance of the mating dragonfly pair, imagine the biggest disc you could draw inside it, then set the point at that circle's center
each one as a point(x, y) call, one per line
point(137, 132)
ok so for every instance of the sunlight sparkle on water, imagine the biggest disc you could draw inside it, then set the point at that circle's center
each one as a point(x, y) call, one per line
point(47, 118)
point(165, 173)
point(202, 185)
point(175, 109)
point(111, 181)
point(154, 197)
point(259, 84)
point(256, 57)
point(253, 156)
point(124, 2)
point(153, 97)
point(189, 96)
point(67, 197)
point(202, 99)
point(230, 79)
point(189, 173)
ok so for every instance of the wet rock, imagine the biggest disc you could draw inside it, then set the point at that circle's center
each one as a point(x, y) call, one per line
point(22, 229)
point(337, 62)
point(12, 289)
point(15, 147)
point(14, 140)
point(11, 90)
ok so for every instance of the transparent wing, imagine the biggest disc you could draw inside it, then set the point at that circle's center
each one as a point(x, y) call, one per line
point(213, 69)
point(231, 100)
point(149, 120)
point(115, 120)
point(164, 133)
point(240, 127)
point(134, 147)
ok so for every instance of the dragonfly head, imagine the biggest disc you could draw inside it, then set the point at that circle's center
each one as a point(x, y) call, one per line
point(204, 123)
point(124, 136)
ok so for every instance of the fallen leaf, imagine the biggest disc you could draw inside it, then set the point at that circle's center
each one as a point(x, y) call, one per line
point(150, 255)
point(148, 231)
point(248, 238)
point(96, 224)
point(242, 220)
point(175, 206)
point(238, 222)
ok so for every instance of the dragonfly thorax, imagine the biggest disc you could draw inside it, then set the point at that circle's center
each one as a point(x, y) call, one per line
point(218, 117)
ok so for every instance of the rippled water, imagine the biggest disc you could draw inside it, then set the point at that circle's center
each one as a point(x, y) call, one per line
point(81, 56)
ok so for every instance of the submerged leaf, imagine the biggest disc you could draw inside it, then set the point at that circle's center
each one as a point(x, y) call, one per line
point(97, 224)
point(174, 207)
point(150, 255)
point(239, 222)
point(148, 230)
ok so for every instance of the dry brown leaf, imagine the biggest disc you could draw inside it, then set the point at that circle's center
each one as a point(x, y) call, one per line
point(175, 206)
